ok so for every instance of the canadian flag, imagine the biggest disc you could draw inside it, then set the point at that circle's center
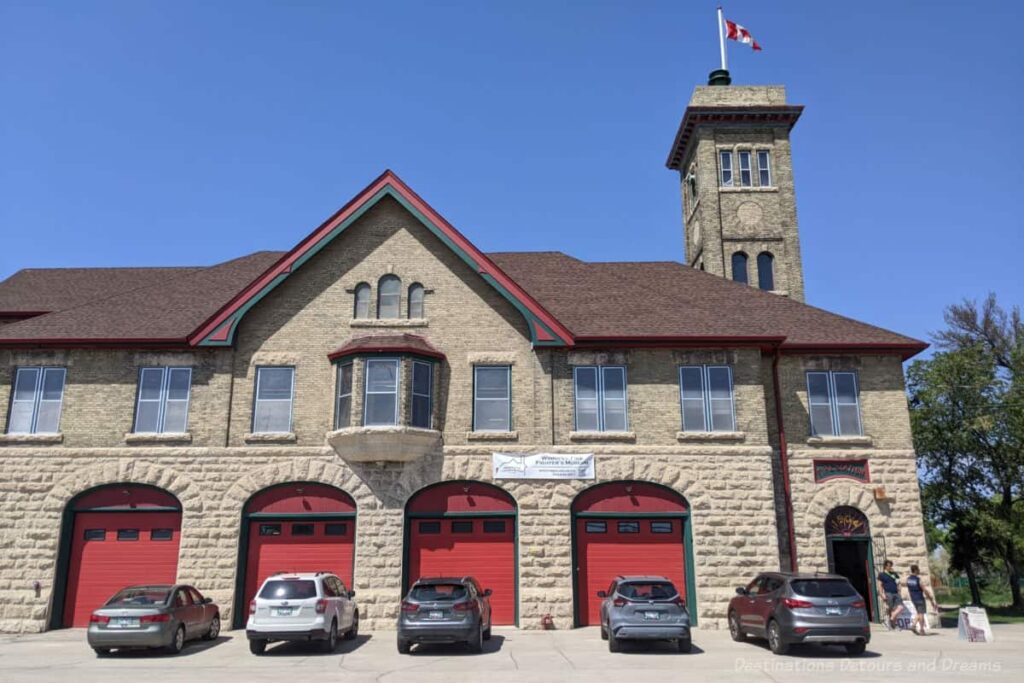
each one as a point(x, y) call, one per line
point(734, 31)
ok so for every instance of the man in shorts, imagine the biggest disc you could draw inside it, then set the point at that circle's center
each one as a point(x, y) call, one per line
point(889, 583)
point(918, 593)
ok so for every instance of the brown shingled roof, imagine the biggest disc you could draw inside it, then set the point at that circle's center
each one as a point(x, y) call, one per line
point(386, 343)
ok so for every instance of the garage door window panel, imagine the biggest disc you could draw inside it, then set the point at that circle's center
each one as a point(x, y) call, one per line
point(36, 400)
point(163, 398)
point(275, 391)
point(127, 534)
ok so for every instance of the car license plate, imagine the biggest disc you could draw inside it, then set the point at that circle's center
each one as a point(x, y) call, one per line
point(124, 622)
point(833, 610)
point(435, 614)
point(282, 611)
point(652, 615)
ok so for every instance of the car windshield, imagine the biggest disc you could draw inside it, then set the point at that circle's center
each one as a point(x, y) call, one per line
point(824, 588)
point(438, 592)
point(142, 597)
point(288, 589)
point(648, 590)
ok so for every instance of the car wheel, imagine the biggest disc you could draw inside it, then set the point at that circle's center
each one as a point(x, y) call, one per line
point(775, 641)
point(178, 642)
point(476, 642)
point(353, 632)
point(734, 628)
point(684, 645)
point(101, 651)
point(855, 649)
point(487, 632)
point(613, 642)
point(604, 633)
point(404, 647)
point(214, 628)
point(257, 647)
point(331, 644)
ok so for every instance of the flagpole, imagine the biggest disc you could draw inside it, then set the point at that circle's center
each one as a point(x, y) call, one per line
point(721, 39)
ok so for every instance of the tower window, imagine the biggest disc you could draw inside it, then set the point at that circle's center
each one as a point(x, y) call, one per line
point(739, 267)
point(416, 300)
point(389, 297)
point(764, 168)
point(766, 271)
point(725, 163)
point(362, 304)
point(745, 177)
point(691, 185)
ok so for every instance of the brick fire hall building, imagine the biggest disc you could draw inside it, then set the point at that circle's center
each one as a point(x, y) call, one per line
point(384, 400)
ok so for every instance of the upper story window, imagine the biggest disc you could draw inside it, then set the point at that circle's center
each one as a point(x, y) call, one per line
point(766, 271)
point(380, 407)
point(600, 398)
point(739, 267)
point(725, 167)
point(389, 297)
point(691, 186)
point(706, 395)
point(275, 392)
point(362, 301)
point(834, 400)
point(416, 300)
point(764, 168)
point(162, 400)
point(422, 391)
point(492, 398)
point(746, 179)
point(36, 401)
point(343, 402)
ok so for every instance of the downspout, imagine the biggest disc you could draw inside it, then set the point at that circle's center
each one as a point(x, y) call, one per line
point(784, 458)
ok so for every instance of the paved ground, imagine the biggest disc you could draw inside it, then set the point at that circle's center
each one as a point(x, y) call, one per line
point(514, 655)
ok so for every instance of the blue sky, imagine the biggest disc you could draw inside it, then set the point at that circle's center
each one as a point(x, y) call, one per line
point(146, 133)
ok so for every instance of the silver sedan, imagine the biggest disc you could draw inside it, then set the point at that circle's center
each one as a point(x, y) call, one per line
point(161, 616)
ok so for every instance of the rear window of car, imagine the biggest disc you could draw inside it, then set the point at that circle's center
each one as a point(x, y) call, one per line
point(141, 597)
point(651, 590)
point(824, 588)
point(438, 592)
point(285, 589)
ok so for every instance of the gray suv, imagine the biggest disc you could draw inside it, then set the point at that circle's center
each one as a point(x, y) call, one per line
point(644, 608)
point(788, 608)
point(445, 610)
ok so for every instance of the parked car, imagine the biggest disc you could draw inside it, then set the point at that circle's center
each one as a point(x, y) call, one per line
point(788, 608)
point(162, 616)
point(302, 606)
point(445, 610)
point(644, 608)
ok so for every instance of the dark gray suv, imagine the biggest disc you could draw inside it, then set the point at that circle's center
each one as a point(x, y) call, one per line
point(445, 610)
point(788, 608)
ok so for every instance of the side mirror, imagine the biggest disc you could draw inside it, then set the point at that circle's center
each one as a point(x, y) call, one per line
point(741, 590)
point(487, 592)
point(351, 594)
point(602, 594)
point(207, 601)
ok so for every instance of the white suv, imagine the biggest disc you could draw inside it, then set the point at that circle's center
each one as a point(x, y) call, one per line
point(301, 606)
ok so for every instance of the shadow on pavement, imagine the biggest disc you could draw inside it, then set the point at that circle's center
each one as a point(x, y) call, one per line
point(313, 648)
point(655, 647)
point(456, 649)
point(192, 647)
point(815, 651)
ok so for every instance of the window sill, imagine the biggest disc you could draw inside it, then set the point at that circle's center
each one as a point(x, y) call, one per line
point(32, 439)
point(384, 444)
point(750, 188)
point(625, 437)
point(492, 436)
point(710, 436)
point(388, 322)
point(840, 441)
point(271, 437)
point(154, 437)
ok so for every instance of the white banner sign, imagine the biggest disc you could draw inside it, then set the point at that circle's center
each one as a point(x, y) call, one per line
point(543, 466)
point(973, 625)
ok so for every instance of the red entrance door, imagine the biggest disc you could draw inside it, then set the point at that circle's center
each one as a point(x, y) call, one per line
point(122, 546)
point(615, 537)
point(452, 534)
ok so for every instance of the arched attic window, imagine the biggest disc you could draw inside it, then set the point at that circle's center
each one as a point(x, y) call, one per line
point(362, 301)
point(739, 267)
point(389, 297)
point(766, 271)
point(415, 300)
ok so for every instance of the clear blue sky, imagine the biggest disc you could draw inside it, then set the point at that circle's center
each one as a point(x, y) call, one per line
point(175, 133)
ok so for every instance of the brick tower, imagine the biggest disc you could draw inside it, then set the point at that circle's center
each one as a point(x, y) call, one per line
point(739, 209)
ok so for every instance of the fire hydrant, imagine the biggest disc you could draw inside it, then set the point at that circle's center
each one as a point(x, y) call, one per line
point(547, 622)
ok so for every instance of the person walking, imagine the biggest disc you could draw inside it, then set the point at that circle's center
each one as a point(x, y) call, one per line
point(918, 593)
point(889, 583)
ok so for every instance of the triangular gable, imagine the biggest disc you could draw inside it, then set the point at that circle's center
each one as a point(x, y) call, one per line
point(220, 329)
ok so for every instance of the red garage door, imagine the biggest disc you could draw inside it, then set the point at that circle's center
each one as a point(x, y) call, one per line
point(626, 528)
point(121, 536)
point(298, 528)
point(465, 529)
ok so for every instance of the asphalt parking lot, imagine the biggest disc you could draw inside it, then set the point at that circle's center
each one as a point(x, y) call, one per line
point(514, 655)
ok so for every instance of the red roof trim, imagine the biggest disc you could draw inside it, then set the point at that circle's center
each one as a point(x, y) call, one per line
point(906, 351)
point(387, 179)
point(397, 350)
